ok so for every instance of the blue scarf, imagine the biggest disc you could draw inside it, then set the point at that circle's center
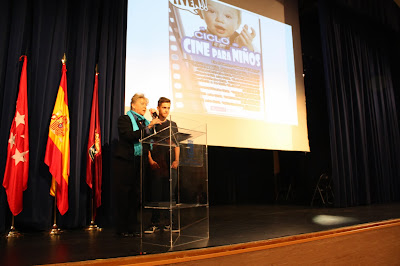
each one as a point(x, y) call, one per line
point(132, 115)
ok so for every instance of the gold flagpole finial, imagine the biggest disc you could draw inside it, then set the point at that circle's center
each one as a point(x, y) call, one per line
point(97, 69)
point(64, 59)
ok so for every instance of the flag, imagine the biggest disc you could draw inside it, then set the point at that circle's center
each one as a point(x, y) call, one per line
point(57, 149)
point(94, 158)
point(17, 167)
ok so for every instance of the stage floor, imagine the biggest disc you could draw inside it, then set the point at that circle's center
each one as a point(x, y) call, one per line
point(228, 225)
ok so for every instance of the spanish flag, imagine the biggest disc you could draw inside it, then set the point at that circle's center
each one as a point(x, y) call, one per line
point(57, 149)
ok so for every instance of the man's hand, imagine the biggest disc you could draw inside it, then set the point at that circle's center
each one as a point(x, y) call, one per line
point(154, 164)
point(175, 164)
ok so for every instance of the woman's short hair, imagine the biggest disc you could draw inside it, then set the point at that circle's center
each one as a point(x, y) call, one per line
point(138, 96)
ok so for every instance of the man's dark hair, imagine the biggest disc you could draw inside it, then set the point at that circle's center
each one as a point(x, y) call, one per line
point(163, 100)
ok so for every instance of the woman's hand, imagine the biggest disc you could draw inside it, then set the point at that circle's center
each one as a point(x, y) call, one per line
point(153, 122)
point(153, 113)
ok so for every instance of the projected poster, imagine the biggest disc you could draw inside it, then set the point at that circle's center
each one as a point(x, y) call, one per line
point(215, 60)
point(221, 65)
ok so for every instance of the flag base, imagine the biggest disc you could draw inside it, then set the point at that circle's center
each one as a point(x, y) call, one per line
point(55, 230)
point(93, 227)
point(13, 233)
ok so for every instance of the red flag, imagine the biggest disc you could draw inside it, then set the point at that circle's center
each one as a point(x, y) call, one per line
point(94, 160)
point(57, 149)
point(17, 167)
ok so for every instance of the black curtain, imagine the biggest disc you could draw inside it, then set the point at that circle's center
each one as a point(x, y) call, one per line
point(360, 43)
point(89, 32)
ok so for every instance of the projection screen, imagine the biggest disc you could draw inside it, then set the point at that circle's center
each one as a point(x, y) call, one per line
point(234, 65)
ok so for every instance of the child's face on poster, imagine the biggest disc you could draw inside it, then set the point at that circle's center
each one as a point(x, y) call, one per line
point(221, 20)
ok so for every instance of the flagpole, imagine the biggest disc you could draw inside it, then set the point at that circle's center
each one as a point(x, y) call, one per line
point(55, 230)
point(93, 226)
point(57, 152)
point(16, 175)
point(13, 232)
point(64, 59)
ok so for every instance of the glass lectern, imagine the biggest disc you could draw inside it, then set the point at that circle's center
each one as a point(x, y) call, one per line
point(174, 185)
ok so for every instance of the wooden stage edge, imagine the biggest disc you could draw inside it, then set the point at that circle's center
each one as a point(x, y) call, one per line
point(370, 243)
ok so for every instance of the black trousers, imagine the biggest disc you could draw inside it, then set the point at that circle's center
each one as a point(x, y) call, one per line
point(160, 191)
point(126, 175)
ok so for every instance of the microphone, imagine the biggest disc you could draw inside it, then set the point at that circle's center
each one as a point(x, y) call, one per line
point(153, 113)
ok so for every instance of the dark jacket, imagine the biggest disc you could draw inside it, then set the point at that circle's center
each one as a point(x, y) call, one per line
point(127, 137)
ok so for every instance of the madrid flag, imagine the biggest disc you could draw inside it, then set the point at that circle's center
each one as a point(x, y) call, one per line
point(17, 167)
point(94, 161)
point(57, 149)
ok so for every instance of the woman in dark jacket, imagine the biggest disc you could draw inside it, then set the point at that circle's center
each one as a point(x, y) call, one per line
point(131, 128)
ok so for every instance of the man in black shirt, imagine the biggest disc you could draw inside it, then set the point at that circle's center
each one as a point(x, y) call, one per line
point(164, 162)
